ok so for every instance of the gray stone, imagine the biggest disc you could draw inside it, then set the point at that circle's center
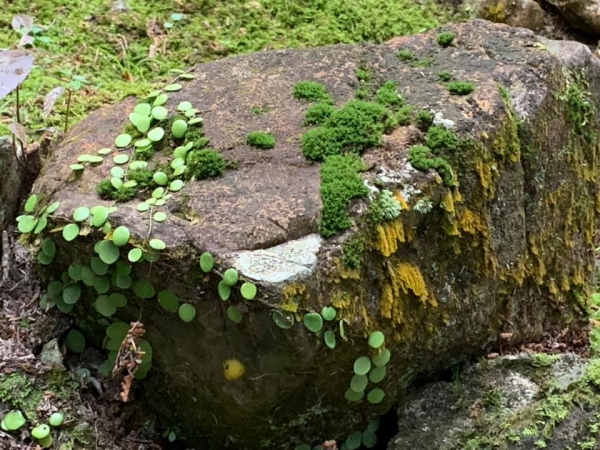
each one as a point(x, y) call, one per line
point(516, 13)
point(51, 354)
point(581, 14)
point(10, 182)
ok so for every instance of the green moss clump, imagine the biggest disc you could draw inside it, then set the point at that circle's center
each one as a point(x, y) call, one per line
point(340, 183)
point(107, 191)
point(354, 252)
point(143, 177)
point(311, 91)
point(205, 164)
point(445, 76)
point(260, 139)
point(259, 109)
point(364, 75)
point(317, 114)
point(424, 158)
point(354, 128)
point(406, 55)
point(195, 134)
point(388, 95)
point(384, 208)
point(445, 39)
point(460, 87)
point(405, 115)
point(424, 119)
point(440, 138)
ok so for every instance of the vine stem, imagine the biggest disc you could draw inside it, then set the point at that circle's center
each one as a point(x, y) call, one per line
point(68, 110)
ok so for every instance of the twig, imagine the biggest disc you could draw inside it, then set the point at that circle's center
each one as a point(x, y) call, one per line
point(5, 258)
point(18, 107)
point(68, 110)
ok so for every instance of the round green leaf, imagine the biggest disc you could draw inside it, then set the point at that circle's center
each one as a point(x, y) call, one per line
point(224, 290)
point(160, 113)
point(207, 262)
point(177, 162)
point(143, 124)
point(117, 183)
point(158, 192)
point(359, 383)
point(46, 442)
point(76, 167)
point(143, 288)
point(234, 314)
point(117, 299)
point(123, 140)
point(122, 281)
point(27, 224)
point(117, 172)
point(362, 365)
point(80, 214)
point(154, 93)
point(30, 204)
point(55, 288)
point(108, 252)
point(75, 341)
point(136, 165)
point(353, 396)
point(313, 321)
point(156, 134)
point(376, 339)
point(191, 113)
point(382, 358)
point(168, 300)
point(134, 118)
point(87, 276)
point(377, 374)
point(102, 285)
point(176, 185)
point(230, 277)
point(248, 291)
point(143, 109)
point(135, 254)
point(75, 271)
point(184, 106)
point(354, 440)
point(283, 319)
point(160, 100)
point(99, 216)
point(56, 419)
point(179, 128)
point(49, 247)
point(44, 259)
point(98, 266)
point(117, 331)
point(373, 426)
point(104, 306)
point(105, 151)
point(173, 87)
point(157, 244)
point(71, 293)
point(369, 439)
point(159, 216)
point(328, 313)
point(195, 120)
point(186, 76)
point(41, 225)
point(375, 396)
point(52, 208)
point(187, 312)
point(160, 178)
point(121, 159)
point(94, 159)
point(142, 207)
point(14, 420)
point(330, 339)
point(121, 236)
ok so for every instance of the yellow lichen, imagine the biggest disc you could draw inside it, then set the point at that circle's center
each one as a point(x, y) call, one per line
point(398, 195)
point(389, 235)
point(293, 295)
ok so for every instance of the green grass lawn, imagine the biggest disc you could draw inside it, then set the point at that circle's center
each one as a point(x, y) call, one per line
point(108, 53)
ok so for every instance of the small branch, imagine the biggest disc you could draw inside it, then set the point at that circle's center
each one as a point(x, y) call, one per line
point(18, 107)
point(68, 110)
point(5, 258)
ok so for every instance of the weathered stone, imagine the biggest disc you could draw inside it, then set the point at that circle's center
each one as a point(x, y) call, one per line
point(10, 183)
point(581, 14)
point(515, 402)
point(51, 355)
point(509, 249)
point(516, 13)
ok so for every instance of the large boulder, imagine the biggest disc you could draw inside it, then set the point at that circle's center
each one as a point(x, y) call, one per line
point(581, 14)
point(496, 246)
point(516, 13)
point(516, 402)
point(11, 183)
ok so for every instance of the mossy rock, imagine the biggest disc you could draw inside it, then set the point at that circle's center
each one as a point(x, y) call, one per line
point(506, 245)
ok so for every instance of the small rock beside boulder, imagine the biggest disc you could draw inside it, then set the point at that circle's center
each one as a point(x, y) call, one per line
point(581, 14)
point(516, 13)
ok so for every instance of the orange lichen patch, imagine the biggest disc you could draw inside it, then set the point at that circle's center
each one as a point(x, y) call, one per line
point(472, 223)
point(388, 236)
point(398, 196)
point(404, 281)
point(293, 296)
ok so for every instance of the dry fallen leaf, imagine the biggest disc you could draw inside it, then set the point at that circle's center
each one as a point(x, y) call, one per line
point(51, 98)
point(15, 65)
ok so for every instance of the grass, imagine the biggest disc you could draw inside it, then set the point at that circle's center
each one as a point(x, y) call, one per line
point(109, 51)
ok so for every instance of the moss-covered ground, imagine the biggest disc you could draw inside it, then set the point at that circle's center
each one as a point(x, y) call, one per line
point(108, 54)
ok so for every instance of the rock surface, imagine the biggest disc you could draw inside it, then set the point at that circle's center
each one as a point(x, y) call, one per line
point(509, 249)
point(515, 402)
point(10, 183)
point(581, 14)
point(516, 13)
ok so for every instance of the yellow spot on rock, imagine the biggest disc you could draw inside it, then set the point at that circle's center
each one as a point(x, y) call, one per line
point(233, 369)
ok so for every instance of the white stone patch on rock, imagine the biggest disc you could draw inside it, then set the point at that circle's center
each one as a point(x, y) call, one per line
point(438, 119)
point(285, 263)
point(519, 391)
